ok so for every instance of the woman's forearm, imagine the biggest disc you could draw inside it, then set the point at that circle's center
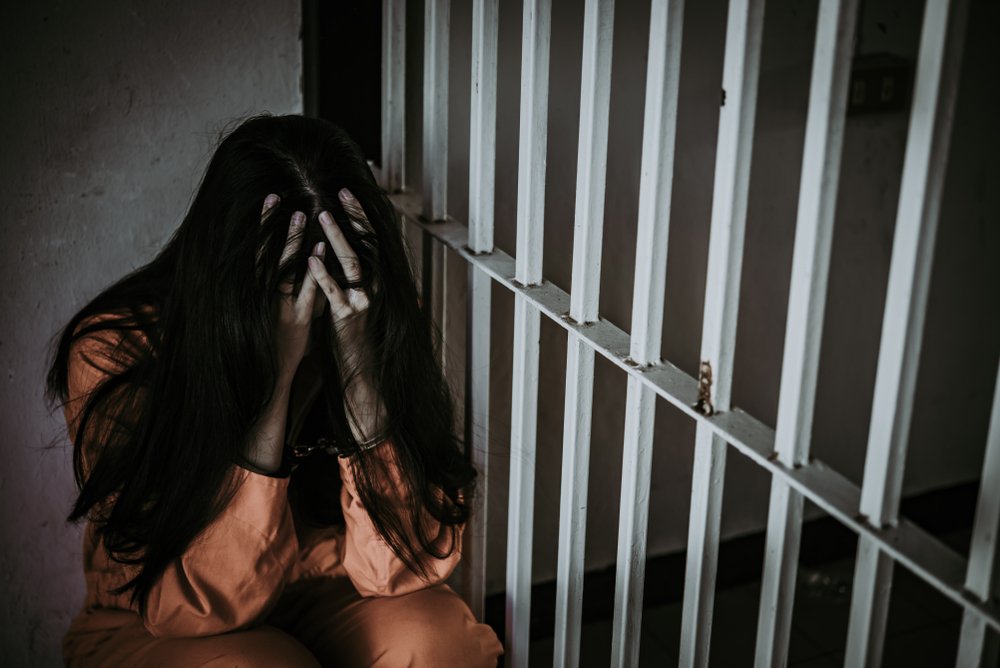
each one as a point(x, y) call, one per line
point(266, 441)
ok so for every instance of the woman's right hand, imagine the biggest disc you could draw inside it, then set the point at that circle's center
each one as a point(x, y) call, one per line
point(265, 444)
point(294, 311)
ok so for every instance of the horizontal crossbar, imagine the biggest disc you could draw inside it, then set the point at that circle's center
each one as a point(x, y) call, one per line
point(905, 542)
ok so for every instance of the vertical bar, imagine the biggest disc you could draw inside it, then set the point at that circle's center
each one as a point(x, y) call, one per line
point(435, 155)
point(482, 125)
point(777, 596)
point(393, 94)
point(804, 325)
point(869, 605)
point(912, 252)
point(977, 647)
point(477, 433)
point(591, 171)
point(573, 500)
point(535, 34)
point(592, 158)
point(655, 191)
point(633, 519)
point(744, 28)
point(482, 158)
point(905, 306)
point(535, 37)
point(521, 494)
point(435, 137)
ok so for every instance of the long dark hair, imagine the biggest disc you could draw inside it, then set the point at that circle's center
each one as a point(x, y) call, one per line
point(196, 363)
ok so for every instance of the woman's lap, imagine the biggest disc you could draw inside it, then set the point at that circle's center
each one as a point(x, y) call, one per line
point(322, 621)
point(428, 627)
point(132, 645)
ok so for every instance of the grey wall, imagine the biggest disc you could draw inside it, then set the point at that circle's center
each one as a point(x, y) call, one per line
point(962, 338)
point(110, 113)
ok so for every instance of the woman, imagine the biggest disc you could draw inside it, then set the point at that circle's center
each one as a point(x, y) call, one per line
point(263, 441)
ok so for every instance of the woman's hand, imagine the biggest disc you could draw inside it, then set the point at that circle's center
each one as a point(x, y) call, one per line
point(294, 311)
point(348, 311)
point(265, 441)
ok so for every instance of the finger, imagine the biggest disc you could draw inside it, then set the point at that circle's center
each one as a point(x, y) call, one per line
point(269, 203)
point(338, 302)
point(307, 293)
point(294, 239)
point(355, 212)
point(338, 242)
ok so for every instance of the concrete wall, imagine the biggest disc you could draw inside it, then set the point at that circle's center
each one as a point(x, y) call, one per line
point(962, 337)
point(110, 114)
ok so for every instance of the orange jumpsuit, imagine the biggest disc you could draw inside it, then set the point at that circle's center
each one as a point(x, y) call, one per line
point(257, 589)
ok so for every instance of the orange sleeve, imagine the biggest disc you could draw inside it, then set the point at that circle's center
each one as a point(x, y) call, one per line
point(372, 566)
point(233, 572)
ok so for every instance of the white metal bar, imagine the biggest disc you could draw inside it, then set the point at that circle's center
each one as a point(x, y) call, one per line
point(912, 253)
point(924, 167)
point(483, 125)
point(814, 228)
point(869, 605)
point(521, 494)
point(591, 170)
point(477, 429)
point(535, 37)
point(702, 547)
point(573, 501)
point(592, 159)
point(911, 546)
point(527, 321)
point(392, 170)
point(659, 130)
point(633, 517)
point(744, 28)
point(781, 554)
point(804, 324)
point(435, 136)
point(655, 190)
point(976, 647)
point(482, 166)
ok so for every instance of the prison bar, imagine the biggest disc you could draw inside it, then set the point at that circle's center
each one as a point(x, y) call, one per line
point(924, 166)
point(740, 72)
point(804, 325)
point(655, 190)
point(435, 135)
point(967, 583)
point(482, 166)
point(976, 647)
point(393, 94)
point(907, 543)
point(591, 171)
point(535, 31)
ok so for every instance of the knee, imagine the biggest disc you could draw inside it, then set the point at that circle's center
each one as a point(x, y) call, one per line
point(437, 628)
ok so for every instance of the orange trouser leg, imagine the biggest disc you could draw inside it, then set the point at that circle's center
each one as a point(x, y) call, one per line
point(124, 641)
point(431, 627)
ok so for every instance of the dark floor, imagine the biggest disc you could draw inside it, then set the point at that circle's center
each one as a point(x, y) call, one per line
point(923, 626)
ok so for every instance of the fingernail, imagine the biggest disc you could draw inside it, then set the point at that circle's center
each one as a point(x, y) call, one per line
point(298, 218)
point(345, 194)
point(326, 218)
point(270, 201)
point(319, 249)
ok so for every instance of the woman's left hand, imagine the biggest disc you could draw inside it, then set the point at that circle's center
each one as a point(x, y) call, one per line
point(348, 313)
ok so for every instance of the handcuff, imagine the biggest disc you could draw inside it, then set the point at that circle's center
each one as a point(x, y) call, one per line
point(330, 446)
